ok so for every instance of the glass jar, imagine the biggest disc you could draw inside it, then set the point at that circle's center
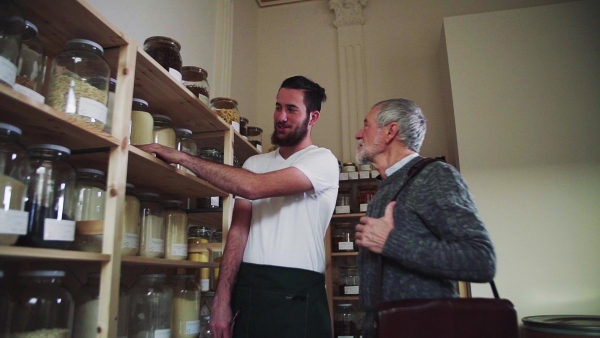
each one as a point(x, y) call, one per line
point(150, 307)
point(176, 223)
point(195, 79)
point(12, 25)
point(366, 193)
point(14, 173)
point(50, 198)
point(198, 239)
point(79, 82)
point(344, 325)
point(186, 307)
point(131, 223)
point(255, 137)
point(166, 52)
point(6, 305)
point(349, 167)
point(32, 61)
point(186, 144)
point(227, 109)
point(91, 195)
point(342, 205)
point(342, 238)
point(204, 323)
point(163, 132)
point(152, 228)
point(142, 123)
point(348, 282)
point(206, 303)
point(215, 257)
point(112, 87)
point(243, 126)
point(43, 307)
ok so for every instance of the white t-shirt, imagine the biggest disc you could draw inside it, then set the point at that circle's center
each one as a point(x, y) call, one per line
point(289, 231)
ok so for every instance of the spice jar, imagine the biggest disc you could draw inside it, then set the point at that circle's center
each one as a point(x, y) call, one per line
point(342, 205)
point(366, 193)
point(342, 238)
point(43, 307)
point(348, 282)
point(198, 239)
point(6, 305)
point(163, 132)
point(131, 223)
point(152, 229)
point(186, 307)
point(344, 324)
point(32, 61)
point(255, 137)
point(151, 306)
point(227, 109)
point(50, 198)
point(79, 82)
point(14, 174)
point(166, 52)
point(142, 123)
point(186, 144)
point(195, 79)
point(12, 24)
point(176, 223)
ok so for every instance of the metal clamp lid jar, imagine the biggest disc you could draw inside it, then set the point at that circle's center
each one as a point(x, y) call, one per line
point(195, 79)
point(165, 51)
point(142, 123)
point(32, 61)
point(227, 109)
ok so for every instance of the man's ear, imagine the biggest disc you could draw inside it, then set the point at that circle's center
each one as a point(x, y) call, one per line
point(314, 117)
point(392, 132)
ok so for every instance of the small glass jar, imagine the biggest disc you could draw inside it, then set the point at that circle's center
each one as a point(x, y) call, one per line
point(12, 25)
point(342, 238)
point(366, 193)
point(344, 324)
point(131, 223)
point(349, 167)
point(142, 123)
point(6, 306)
point(255, 137)
point(342, 205)
point(91, 195)
point(348, 282)
point(50, 198)
point(176, 223)
point(79, 82)
point(186, 307)
point(43, 307)
point(165, 51)
point(152, 228)
point(186, 144)
point(198, 239)
point(32, 61)
point(14, 173)
point(112, 87)
point(243, 126)
point(150, 307)
point(163, 132)
point(227, 109)
point(195, 79)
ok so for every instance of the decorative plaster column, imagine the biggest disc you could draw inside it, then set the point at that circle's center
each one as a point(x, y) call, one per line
point(223, 50)
point(349, 21)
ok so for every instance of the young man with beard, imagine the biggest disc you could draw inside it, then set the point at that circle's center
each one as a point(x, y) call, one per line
point(427, 237)
point(271, 281)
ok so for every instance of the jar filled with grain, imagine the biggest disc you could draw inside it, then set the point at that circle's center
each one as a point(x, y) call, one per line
point(152, 228)
point(186, 307)
point(165, 51)
point(32, 61)
point(227, 109)
point(195, 79)
point(142, 123)
point(163, 132)
point(131, 223)
point(176, 224)
point(79, 82)
point(12, 24)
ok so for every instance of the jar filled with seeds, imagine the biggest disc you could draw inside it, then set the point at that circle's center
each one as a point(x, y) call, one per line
point(79, 82)
point(165, 51)
point(163, 132)
point(195, 79)
point(32, 61)
point(227, 109)
point(142, 123)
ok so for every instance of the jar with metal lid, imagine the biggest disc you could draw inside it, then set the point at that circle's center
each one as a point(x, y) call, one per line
point(167, 52)
point(50, 198)
point(348, 282)
point(79, 82)
point(6, 307)
point(244, 126)
point(12, 24)
point(255, 137)
point(142, 123)
point(342, 205)
point(131, 223)
point(90, 202)
point(195, 79)
point(344, 324)
point(342, 238)
point(14, 174)
point(152, 228)
point(186, 144)
point(349, 167)
point(150, 307)
point(366, 193)
point(163, 132)
point(176, 223)
point(210, 154)
point(112, 87)
point(227, 109)
point(43, 307)
point(198, 239)
point(32, 61)
point(186, 307)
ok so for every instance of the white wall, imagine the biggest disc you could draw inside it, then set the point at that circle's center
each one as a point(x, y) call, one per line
point(525, 88)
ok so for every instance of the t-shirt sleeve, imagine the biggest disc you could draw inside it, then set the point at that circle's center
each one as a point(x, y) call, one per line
point(321, 168)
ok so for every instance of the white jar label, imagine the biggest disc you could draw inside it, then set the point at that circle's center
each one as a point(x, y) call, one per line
point(179, 250)
point(363, 207)
point(205, 284)
point(344, 336)
point(165, 333)
point(131, 241)
point(8, 72)
point(192, 327)
point(203, 98)
point(364, 174)
point(214, 201)
point(236, 125)
point(13, 222)
point(259, 147)
point(342, 209)
point(32, 94)
point(157, 245)
point(93, 109)
point(59, 230)
point(351, 290)
point(176, 74)
point(343, 176)
point(346, 246)
point(353, 176)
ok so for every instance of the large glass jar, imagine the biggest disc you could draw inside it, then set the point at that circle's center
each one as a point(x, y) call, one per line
point(198, 239)
point(344, 324)
point(176, 223)
point(152, 228)
point(227, 109)
point(142, 123)
point(12, 24)
point(150, 307)
point(50, 198)
point(32, 61)
point(186, 307)
point(166, 52)
point(89, 209)
point(342, 238)
point(43, 307)
point(163, 132)
point(342, 205)
point(6, 306)
point(186, 144)
point(365, 194)
point(131, 223)
point(195, 79)
point(14, 172)
point(79, 82)
point(254, 135)
point(348, 281)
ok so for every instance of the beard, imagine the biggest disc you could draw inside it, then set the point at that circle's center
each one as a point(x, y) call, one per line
point(295, 136)
point(367, 154)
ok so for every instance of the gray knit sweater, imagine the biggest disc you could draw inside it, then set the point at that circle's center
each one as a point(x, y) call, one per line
point(438, 239)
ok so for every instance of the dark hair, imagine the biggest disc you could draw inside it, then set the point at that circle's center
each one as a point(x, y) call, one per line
point(313, 93)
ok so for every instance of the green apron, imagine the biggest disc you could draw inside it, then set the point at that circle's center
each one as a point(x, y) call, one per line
point(279, 302)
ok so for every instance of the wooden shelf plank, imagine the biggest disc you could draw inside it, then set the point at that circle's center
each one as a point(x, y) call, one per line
point(161, 262)
point(347, 216)
point(24, 253)
point(344, 254)
point(345, 298)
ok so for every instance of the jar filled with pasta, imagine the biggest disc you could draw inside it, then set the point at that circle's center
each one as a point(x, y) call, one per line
point(152, 228)
point(176, 223)
point(227, 109)
point(163, 132)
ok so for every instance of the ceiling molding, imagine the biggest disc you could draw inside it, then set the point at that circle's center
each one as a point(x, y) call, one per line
point(266, 3)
